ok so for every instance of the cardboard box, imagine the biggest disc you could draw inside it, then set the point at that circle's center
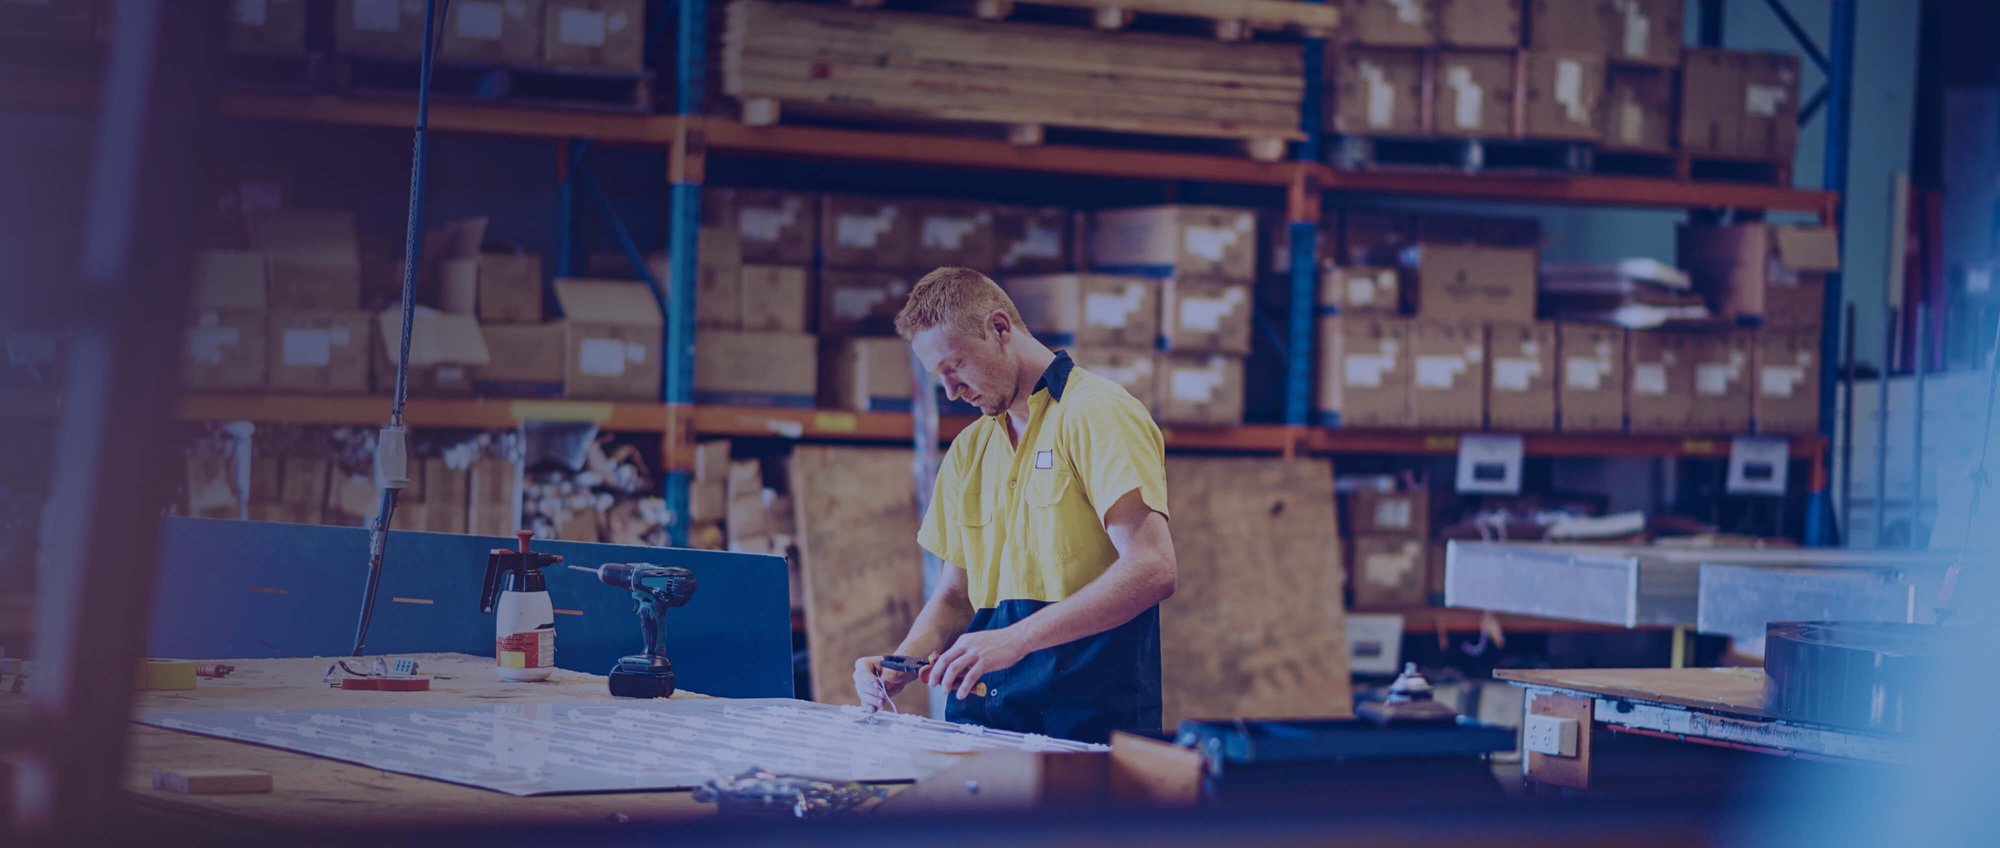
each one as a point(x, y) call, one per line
point(1463, 283)
point(1659, 382)
point(1374, 291)
point(776, 298)
point(596, 35)
point(1770, 122)
point(1591, 395)
point(1364, 371)
point(1389, 571)
point(447, 497)
point(523, 360)
point(1133, 369)
point(1448, 374)
point(1521, 376)
point(495, 488)
point(1647, 32)
point(1374, 513)
point(1564, 95)
point(1722, 377)
point(1372, 238)
point(1031, 239)
point(614, 339)
point(225, 349)
point(500, 32)
point(275, 27)
point(1759, 274)
point(862, 303)
point(1711, 106)
point(756, 369)
point(1375, 92)
point(315, 257)
point(772, 227)
point(319, 351)
point(868, 232)
point(499, 288)
point(718, 294)
point(868, 374)
point(444, 349)
point(708, 494)
point(1388, 23)
point(1795, 281)
point(952, 233)
point(1580, 25)
point(1199, 390)
point(52, 19)
point(1639, 108)
point(382, 29)
point(1472, 93)
point(1787, 385)
point(1479, 23)
point(232, 279)
point(1205, 317)
point(1190, 242)
point(1086, 311)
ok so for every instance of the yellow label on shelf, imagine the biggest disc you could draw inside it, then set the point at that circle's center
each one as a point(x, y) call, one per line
point(1443, 443)
point(836, 422)
point(559, 410)
point(1701, 447)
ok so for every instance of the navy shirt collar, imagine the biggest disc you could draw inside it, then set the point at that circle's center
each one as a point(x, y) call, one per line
point(1056, 377)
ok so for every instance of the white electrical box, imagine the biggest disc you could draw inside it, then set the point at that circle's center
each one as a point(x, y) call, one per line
point(1549, 735)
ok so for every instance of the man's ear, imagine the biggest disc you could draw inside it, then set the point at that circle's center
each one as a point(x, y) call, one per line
point(1001, 326)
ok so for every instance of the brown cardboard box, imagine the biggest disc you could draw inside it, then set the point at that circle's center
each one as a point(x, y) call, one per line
point(499, 288)
point(500, 32)
point(1722, 381)
point(1770, 122)
point(232, 279)
point(1441, 228)
point(614, 347)
point(1472, 93)
point(1372, 238)
point(52, 19)
point(1364, 371)
point(319, 351)
point(776, 298)
point(1727, 264)
point(1448, 374)
point(1521, 376)
point(772, 227)
point(1659, 382)
point(598, 35)
point(1031, 239)
point(1191, 242)
point(1711, 111)
point(1564, 95)
point(708, 494)
point(384, 29)
point(1389, 571)
point(1591, 396)
point(1456, 282)
point(315, 257)
point(756, 369)
point(1388, 23)
point(858, 231)
point(1639, 108)
point(1201, 390)
point(718, 294)
point(271, 27)
point(495, 488)
point(952, 233)
point(1204, 317)
point(868, 374)
point(1133, 369)
point(1374, 291)
point(1787, 385)
point(523, 360)
point(444, 348)
point(225, 349)
point(1375, 92)
point(1582, 25)
point(1087, 311)
point(1646, 32)
point(1372, 513)
point(1795, 287)
point(447, 497)
point(1479, 23)
point(862, 303)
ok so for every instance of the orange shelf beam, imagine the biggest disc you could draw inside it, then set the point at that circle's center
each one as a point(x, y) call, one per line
point(451, 413)
point(1595, 190)
point(397, 113)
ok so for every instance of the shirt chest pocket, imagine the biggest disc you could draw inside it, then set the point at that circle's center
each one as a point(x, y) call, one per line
point(1049, 487)
point(974, 508)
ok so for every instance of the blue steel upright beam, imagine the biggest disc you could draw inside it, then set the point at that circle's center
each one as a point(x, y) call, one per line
point(683, 237)
point(1302, 211)
point(1840, 93)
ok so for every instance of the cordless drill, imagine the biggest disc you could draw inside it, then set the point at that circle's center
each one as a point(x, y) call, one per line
point(656, 588)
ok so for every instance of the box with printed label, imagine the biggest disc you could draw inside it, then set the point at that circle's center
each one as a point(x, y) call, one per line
point(772, 227)
point(1469, 283)
point(862, 303)
point(499, 288)
point(858, 231)
point(1659, 382)
point(718, 291)
point(312, 351)
point(1770, 123)
point(1479, 23)
point(776, 298)
point(1388, 571)
point(1521, 376)
point(1377, 513)
point(1204, 317)
point(1375, 92)
point(225, 349)
point(1087, 311)
point(232, 279)
point(1787, 383)
point(1637, 32)
point(867, 374)
point(614, 339)
point(1639, 108)
point(1031, 239)
point(384, 29)
point(1564, 95)
point(1191, 242)
point(274, 27)
point(1591, 395)
point(444, 348)
point(756, 369)
point(315, 257)
point(1375, 291)
point(1722, 377)
point(1133, 369)
point(952, 233)
point(1472, 93)
point(501, 32)
point(523, 360)
point(604, 35)
point(1200, 390)
point(1388, 23)
point(1364, 371)
point(1448, 374)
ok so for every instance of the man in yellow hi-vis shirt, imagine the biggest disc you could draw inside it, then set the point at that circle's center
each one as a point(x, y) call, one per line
point(1053, 509)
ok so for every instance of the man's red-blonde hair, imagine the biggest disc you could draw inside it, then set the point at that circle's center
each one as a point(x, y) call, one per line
point(960, 297)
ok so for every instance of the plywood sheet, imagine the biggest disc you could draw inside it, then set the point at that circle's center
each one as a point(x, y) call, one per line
point(1257, 628)
point(1730, 690)
point(862, 570)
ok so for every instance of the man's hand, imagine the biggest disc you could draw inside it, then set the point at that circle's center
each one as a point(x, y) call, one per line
point(975, 654)
point(875, 685)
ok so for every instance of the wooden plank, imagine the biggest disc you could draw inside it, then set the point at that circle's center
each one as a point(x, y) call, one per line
point(795, 59)
point(865, 87)
point(851, 102)
point(1256, 629)
point(1731, 690)
point(1263, 13)
point(863, 571)
point(929, 54)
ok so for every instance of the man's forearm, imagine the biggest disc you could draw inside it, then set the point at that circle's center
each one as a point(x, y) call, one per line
point(1129, 587)
point(943, 619)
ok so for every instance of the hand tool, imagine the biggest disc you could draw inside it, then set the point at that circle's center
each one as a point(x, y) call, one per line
point(656, 588)
point(524, 631)
point(910, 665)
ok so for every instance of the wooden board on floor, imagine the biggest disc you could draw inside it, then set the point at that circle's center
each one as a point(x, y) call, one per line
point(1257, 628)
point(858, 554)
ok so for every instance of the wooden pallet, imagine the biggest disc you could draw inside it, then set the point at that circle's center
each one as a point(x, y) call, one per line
point(1228, 20)
point(764, 112)
point(1469, 155)
point(564, 89)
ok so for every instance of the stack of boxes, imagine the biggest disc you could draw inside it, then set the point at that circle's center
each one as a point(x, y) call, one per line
point(1388, 546)
point(585, 35)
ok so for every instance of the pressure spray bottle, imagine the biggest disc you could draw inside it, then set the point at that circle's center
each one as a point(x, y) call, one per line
point(524, 631)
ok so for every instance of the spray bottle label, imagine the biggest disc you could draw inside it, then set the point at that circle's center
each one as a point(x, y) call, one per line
point(532, 649)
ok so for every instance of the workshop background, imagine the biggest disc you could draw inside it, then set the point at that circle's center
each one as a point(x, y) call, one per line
point(1702, 291)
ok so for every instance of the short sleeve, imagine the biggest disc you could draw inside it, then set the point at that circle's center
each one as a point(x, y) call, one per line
point(940, 532)
point(1117, 449)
